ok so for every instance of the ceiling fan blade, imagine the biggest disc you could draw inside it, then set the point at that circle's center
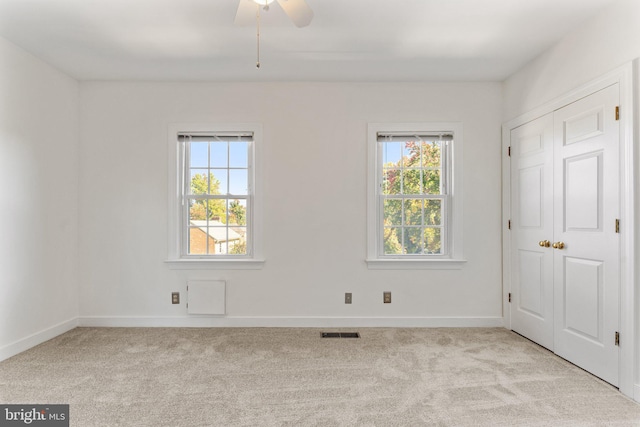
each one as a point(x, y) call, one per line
point(246, 14)
point(298, 10)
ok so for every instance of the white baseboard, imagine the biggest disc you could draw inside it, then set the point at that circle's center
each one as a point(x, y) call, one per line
point(636, 392)
point(33, 340)
point(292, 322)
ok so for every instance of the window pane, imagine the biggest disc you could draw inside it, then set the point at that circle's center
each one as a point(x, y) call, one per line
point(392, 212)
point(392, 239)
point(217, 211)
point(411, 181)
point(391, 181)
point(413, 240)
point(432, 238)
point(391, 154)
point(413, 212)
point(431, 154)
point(433, 212)
point(237, 241)
point(237, 212)
point(197, 210)
point(199, 181)
point(219, 236)
point(219, 181)
point(431, 182)
point(198, 241)
point(198, 154)
point(411, 154)
point(219, 154)
point(238, 157)
point(238, 181)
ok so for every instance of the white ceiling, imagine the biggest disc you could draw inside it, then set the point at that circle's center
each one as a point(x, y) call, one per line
point(348, 40)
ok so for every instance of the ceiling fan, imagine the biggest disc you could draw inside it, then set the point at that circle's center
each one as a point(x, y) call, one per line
point(248, 10)
point(298, 11)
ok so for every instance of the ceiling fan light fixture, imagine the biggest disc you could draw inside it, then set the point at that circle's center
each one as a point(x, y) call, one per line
point(263, 2)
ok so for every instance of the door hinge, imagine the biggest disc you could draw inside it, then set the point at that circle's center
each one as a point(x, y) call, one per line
point(617, 113)
point(617, 225)
point(509, 296)
point(509, 224)
point(509, 151)
point(617, 338)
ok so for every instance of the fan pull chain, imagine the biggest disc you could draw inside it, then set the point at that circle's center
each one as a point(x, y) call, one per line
point(258, 34)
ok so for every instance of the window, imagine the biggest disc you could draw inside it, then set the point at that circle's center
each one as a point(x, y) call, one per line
point(213, 196)
point(216, 194)
point(414, 214)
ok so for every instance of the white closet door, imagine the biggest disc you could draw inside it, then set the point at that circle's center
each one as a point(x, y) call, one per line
point(587, 258)
point(532, 230)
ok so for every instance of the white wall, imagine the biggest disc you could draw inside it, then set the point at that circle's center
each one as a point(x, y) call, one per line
point(600, 45)
point(38, 196)
point(314, 200)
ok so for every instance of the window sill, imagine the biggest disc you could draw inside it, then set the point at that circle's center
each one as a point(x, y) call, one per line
point(415, 264)
point(215, 264)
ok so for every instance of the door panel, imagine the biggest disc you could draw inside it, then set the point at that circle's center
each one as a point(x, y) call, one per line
point(585, 125)
point(532, 222)
point(586, 269)
point(531, 296)
point(583, 303)
point(531, 190)
point(583, 192)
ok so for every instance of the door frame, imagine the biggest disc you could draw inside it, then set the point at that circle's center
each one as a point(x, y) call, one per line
point(626, 76)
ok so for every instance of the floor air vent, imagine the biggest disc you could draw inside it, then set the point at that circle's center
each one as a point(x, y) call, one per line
point(340, 334)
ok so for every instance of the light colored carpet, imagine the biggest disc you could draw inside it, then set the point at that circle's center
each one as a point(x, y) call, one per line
point(292, 377)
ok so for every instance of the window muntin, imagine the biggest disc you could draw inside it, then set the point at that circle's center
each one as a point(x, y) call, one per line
point(216, 195)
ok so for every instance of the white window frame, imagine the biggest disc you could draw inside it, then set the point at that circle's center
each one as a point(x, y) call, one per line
point(177, 259)
point(452, 218)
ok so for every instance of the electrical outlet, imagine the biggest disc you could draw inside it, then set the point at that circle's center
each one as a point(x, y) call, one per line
point(347, 298)
point(386, 297)
point(175, 297)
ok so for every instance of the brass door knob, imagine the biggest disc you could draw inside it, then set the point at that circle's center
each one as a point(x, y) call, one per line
point(544, 243)
point(558, 245)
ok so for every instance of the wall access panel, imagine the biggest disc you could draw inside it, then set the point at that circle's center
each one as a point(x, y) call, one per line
point(206, 297)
